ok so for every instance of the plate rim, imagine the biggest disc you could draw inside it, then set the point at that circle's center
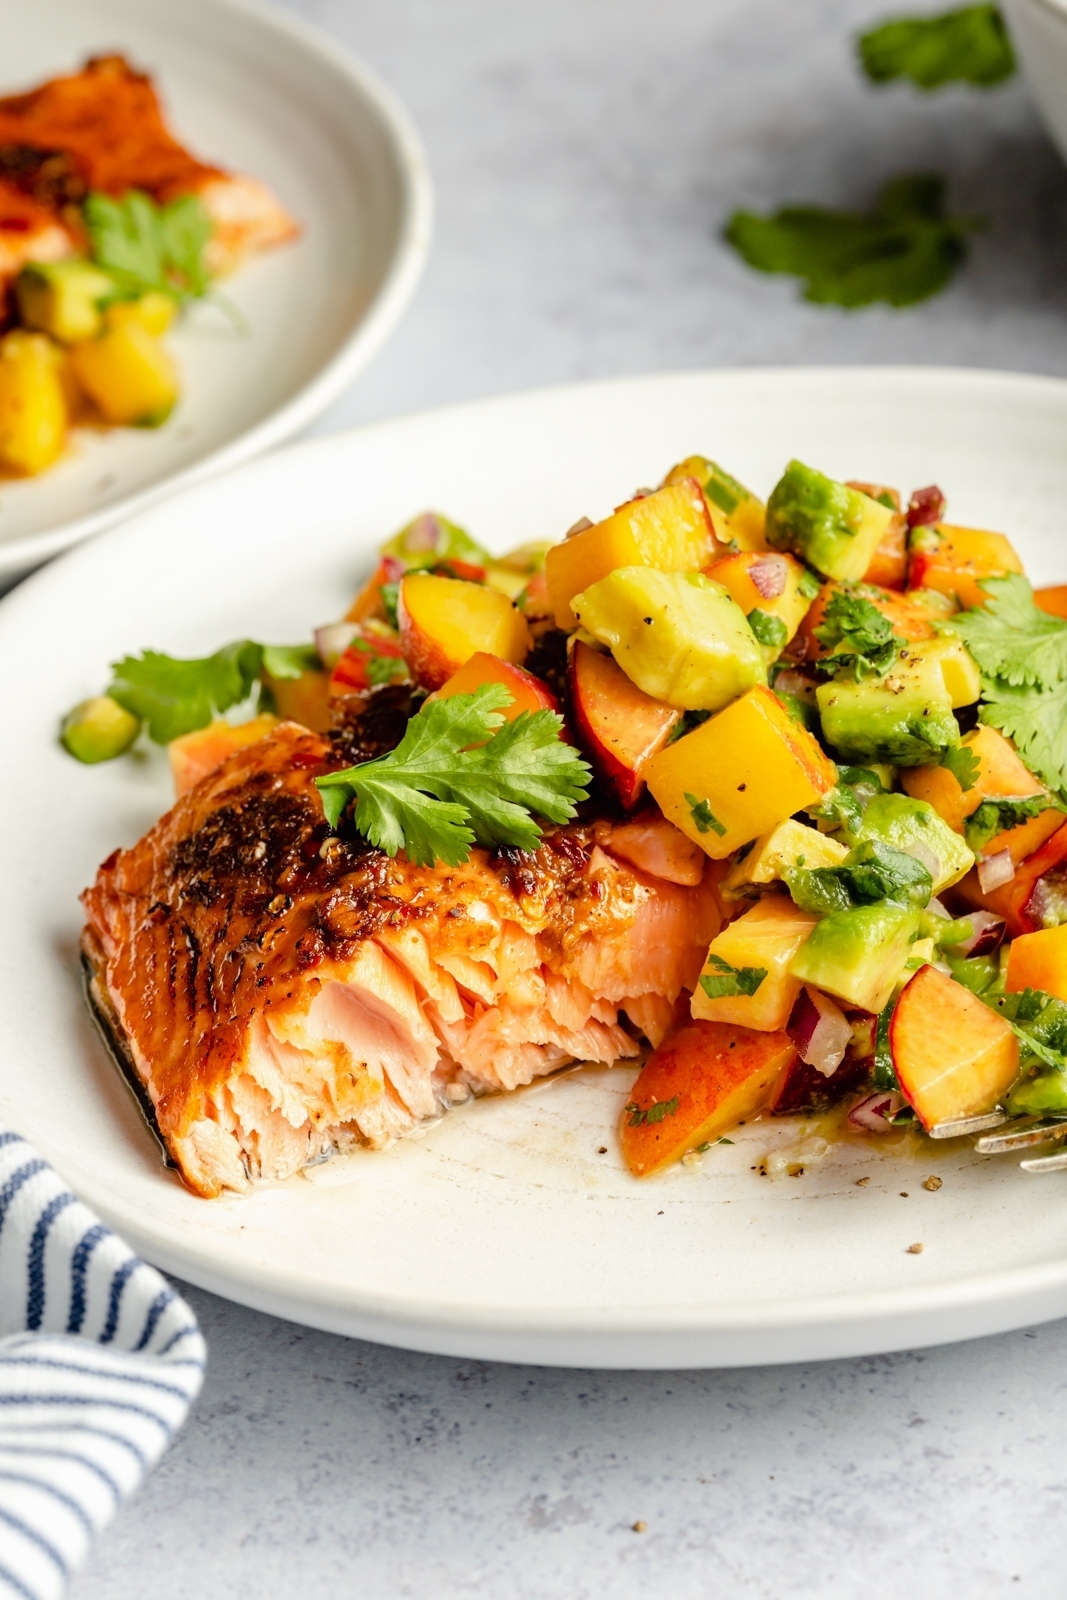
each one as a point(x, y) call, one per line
point(414, 236)
point(741, 1333)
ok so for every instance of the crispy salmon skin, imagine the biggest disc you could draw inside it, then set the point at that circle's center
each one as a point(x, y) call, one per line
point(283, 993)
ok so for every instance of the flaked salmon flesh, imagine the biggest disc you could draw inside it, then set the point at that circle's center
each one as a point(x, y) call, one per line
point(283, 993)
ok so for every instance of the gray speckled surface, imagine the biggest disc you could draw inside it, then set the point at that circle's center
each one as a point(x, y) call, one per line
point(585, 152)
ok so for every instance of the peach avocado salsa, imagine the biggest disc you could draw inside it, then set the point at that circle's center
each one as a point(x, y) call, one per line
point(841, 715)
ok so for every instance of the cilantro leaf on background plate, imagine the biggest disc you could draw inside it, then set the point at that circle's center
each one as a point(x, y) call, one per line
point(145, 246)
point(969, 45)
point(903, 251)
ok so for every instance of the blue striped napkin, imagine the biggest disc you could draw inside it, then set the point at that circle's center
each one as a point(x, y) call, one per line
point(99, 1364)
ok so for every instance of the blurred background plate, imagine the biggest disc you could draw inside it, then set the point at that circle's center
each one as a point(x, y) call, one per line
point(504, 1233)
point(259, 92)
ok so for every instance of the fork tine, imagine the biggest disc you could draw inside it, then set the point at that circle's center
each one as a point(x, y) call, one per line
point(1056, 1163)
point(996, 1144)
point(961, 1126)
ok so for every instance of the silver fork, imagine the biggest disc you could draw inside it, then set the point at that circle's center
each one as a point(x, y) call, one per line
point(1047, 1130)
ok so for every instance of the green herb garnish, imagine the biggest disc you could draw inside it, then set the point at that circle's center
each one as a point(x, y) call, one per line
point(768, 629)
point(462, 776)
point(173, 696)
point(903, 251)
point(1021, 653)
point(861, 637)
point(871, 872)
point(145, 246)
point(727, 981)
point(964, 765)
point(996, 816)
point(703, 817)
point(651, 1114)
point(970, 45)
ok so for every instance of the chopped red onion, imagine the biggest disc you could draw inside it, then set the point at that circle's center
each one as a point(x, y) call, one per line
point(423, 534)
point(926, 507)
point(874, 1112)
point(792, 682)
point(578, 527)
point(995, 871)
point(987, 935)
point(820, 1030)
point(333, 640)
point(769, 574)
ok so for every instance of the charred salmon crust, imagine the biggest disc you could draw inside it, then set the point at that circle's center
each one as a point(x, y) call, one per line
point(282, 993)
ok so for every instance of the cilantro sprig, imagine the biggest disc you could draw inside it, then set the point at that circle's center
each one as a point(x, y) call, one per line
point(145, 246)
point(860, 635)
point(903, 251)
point(173, 696)
point(462, 776)
point(969, 45)
point(1021, 653)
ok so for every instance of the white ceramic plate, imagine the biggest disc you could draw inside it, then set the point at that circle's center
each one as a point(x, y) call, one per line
point(262, 93)
point(503, 1232)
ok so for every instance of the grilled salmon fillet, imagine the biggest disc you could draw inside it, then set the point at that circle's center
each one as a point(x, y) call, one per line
point(282, 993)
point(103, 129)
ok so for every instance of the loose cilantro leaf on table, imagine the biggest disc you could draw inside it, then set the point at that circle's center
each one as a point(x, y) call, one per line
point(726, 980)
point(903, 251)
point(868, 645)
point(1021, 653)
point(970, 45)
point(462, 776)
point(995, 816)
point(146, 246)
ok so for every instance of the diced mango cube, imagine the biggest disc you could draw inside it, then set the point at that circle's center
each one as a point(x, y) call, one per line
point(954, 561)
point(1039, 961)
point(154, 311)
point(1001, 776)
point(764, 940)
point(33, 407)
point(739, 774)
point(768, 582)
point(127, 374)
point(736, 514)
point(669, 529)
point(194, 755)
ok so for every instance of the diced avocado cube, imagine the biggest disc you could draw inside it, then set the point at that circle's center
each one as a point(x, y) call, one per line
point(63, 298)
point(833, 528)
point(859, 955)
point(677, 635)
point(904, 718)
point(1045, 1095)
point(99, 729)
point(914, 828)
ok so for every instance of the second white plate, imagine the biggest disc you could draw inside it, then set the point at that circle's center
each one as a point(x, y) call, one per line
point(504, 1232)
point(261, 93)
